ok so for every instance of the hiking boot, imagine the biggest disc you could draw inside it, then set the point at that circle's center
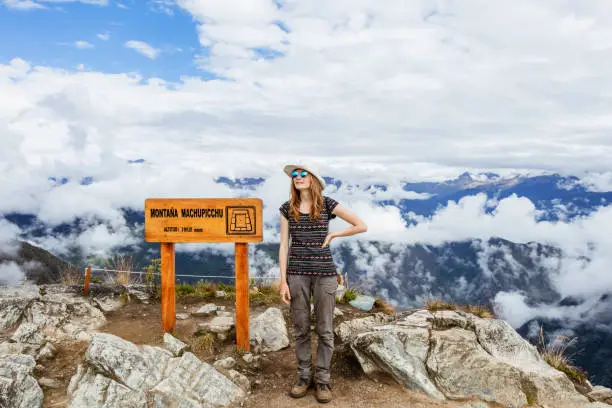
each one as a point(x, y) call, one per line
point(323, 393)
point(300, 388)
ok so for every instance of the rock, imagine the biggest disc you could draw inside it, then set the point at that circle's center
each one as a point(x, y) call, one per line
point(241, 380)
point(49, 383)
point(20, 348)
point(227, 363)
point(11, 310)
point(601, 394)
point(221, 336)
point(220, 294)
point(457, 355)
point(220, 307)
point(268, 331)
point(57, 316)
point(88, 389)
point(363, 302)
point(205, 310)
point(221, 324)
point(399, 351)
point(140, 292)
point(223, 313)
point(349, 329)
point(462, 368)
point(338, 312)
point(248, 357)
point(174, 345)
point(18, 388)
point(182, 316)
point(119, 373)
point(596, 404)
point(47, 352)
point(108, 303)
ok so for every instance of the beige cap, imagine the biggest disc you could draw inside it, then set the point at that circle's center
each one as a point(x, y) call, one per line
point(309, 168)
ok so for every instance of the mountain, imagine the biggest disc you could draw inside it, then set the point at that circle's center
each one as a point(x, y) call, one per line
point(40, 266)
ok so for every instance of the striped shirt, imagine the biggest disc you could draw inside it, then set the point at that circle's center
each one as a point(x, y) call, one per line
point(306, 256)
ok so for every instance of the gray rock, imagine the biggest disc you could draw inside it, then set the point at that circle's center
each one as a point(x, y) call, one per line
point(603, 394)
point(119, 373)
point(89, 389)
point(221, 324)
point(182, 316)
point(347, 330)
point(226, 363)
point(140, 292)
point(174, 345)
point(363, 302)
point(338, 312)
point(221, 336)
point(268, 331)
point(47, 352)
point(223, 313)
point(248, 358)
point(108, 303)
point(205, 310)
point(220, 294)
point(12, 309)
point(49, 383)
point(462, 368)
point(20, 348)
point(18, 388)
point(55, 317)
point(240, 380)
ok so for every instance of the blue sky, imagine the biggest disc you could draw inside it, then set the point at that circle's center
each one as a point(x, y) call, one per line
point(48, 36)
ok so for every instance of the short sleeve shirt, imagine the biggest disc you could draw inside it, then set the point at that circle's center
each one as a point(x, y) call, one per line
point(306, 256)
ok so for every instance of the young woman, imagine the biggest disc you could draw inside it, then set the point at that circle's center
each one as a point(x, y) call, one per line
point(307, 268)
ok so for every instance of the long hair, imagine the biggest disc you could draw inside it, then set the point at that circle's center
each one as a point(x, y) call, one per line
point(316, 192)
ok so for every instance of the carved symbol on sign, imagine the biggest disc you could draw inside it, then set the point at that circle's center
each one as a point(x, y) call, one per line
point(240, 220)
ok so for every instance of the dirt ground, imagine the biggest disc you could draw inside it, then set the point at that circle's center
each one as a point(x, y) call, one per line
point(271, 378)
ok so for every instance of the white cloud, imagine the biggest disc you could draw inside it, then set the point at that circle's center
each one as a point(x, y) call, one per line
point(38, 4)
point(83, 44)
point(143, 48)
point(104, 36)
point(11, 273)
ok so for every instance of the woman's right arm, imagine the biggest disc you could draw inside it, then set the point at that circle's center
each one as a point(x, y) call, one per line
point(282, 259)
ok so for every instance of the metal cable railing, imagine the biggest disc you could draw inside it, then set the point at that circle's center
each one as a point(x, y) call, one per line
point(181, 275)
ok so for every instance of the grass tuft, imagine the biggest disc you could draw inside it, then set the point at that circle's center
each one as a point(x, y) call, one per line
point(555, 354)
point(382, 306)
point(70, 275)
point(349, 295)
point(124, 265)
point(204, 343)
point(434, 305)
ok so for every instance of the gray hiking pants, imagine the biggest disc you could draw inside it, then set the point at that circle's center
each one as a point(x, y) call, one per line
point(323, 289)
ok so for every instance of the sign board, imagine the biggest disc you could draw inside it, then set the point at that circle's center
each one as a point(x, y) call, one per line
point(172, 220)
point(203, 220)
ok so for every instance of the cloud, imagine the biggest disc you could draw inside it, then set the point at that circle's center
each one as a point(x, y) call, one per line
point(104, 36)
point(83, 45)
point(143, 48)
point(39, 4)
point(11, 273)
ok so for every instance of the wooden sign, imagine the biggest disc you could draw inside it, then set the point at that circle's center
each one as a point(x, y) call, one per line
point(203, 220)
point(172, 220)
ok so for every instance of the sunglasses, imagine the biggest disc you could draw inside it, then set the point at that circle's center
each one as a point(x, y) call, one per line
point(302, 173)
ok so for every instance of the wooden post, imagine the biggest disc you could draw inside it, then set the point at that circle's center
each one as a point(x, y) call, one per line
point(87, 277)
point(168, 304)
point(242, 296)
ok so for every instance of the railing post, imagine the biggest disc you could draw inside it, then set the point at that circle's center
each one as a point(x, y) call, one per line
point(168, 300)
point(87, 277)
point(243, 340)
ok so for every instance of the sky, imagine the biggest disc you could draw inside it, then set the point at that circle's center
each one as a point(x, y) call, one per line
point(367, 90)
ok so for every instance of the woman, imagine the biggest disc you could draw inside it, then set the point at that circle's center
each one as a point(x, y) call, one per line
point(306, 268)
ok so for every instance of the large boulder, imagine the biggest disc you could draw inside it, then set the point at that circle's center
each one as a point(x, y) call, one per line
point(268, 331)
point(456, 355)
point(53, 315)
point(18, 388)
point(119, 373)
